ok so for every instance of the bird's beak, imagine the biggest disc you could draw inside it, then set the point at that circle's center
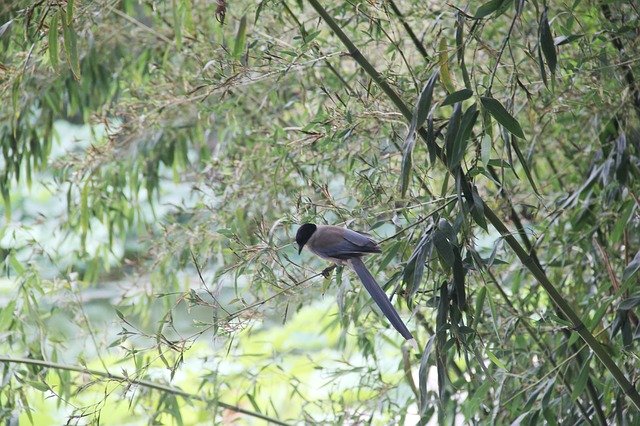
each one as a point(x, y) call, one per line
point(300, 249)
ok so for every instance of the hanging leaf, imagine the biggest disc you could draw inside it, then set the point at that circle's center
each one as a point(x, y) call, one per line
point(458, 96)
point(241, 38)
point(547, 43)
point(414, 270)
point(460, 144)
point(423, 375)
point(444, 247)
point(488, 8)
point(421, 110)
point(443, 61)
point(69, 16)
point(452, 131)
point(632, 268)
point(4, 28)
point(525, 166)
point(53, 41)
point(70, 46)
point(458, 279)
point(502, 116)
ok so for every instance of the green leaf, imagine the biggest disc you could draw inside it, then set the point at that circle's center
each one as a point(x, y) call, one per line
point(452, 132)
point(70, 47)
point(241, 38)
point(7, 315)
point(621, 224)
point(444, 247)
point(423, 106)
point(525, 166)
point(177, 23)
point(69, 16)
point(53, 42)
point(560, 40)
point(488, 8)
point(629, 303)
point(477, 313)
point(4, 28)
point(631, 269)
point(443, 61)
point(414, 270)
point(458, 279)
point(460, 144)
point(421, 110)
point(458, 96)
point(580, 383)
point(494, 359)
point(15, 263)
point(423, 375)
point(547, 44)
point(84, 209)
point(502, 116)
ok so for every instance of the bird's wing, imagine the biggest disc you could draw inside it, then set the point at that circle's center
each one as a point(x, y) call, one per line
point(348, 244)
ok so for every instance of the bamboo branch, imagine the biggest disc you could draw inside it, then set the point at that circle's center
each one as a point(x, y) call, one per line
point(139, 382)
point(578, 326)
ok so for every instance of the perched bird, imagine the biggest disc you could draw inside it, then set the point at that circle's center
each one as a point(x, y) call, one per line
point(346, 247)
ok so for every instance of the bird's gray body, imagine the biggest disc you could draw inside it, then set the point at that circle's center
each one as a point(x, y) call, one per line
point(340, 244)
point(346, 247)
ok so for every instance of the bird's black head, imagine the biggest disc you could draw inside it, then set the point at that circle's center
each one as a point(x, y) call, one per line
point(304, 233)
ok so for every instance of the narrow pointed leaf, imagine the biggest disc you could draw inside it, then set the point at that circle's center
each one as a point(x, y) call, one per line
point(460, 144)
point(53, 41)
point(452, 131)
point(502, 116)
point(458, 96)
point(241, 38)
point(421, 110)
point(632, 268)
point(525, 166)
point(71, 47)
point(443, 61)
point(547, 43)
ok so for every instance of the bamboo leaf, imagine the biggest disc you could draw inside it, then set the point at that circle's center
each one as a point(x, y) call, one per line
point(70, 47)
point(632, 268)
point(629, 303)
point(458, 279)
point(452, 131)
point(420, 112)
point(525, 166)
point(241, 38)
point(458, 96)
point(4, 28)
point(502, 116)
point(494, 359)
point(53, 42)
point(69, 15)
point(444, 247)
point(547, 43)
point(423, 375)
point(460, 143)
point(488, 8)
point(443, 61)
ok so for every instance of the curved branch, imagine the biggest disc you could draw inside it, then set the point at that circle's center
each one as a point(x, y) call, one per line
point(145, 383)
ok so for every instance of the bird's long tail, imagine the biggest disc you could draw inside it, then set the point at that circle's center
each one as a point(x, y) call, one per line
point(380, 297)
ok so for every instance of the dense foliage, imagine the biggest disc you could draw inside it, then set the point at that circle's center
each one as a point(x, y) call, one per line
point(157, 158)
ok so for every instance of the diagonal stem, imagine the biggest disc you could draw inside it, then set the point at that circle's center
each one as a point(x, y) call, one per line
point(145, 383)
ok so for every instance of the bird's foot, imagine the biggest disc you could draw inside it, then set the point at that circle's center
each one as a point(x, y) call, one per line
point(326, 272)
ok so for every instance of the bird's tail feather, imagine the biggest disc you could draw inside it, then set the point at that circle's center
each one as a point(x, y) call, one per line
point(380, 297)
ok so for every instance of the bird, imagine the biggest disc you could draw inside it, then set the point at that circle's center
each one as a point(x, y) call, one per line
point(345, 247)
